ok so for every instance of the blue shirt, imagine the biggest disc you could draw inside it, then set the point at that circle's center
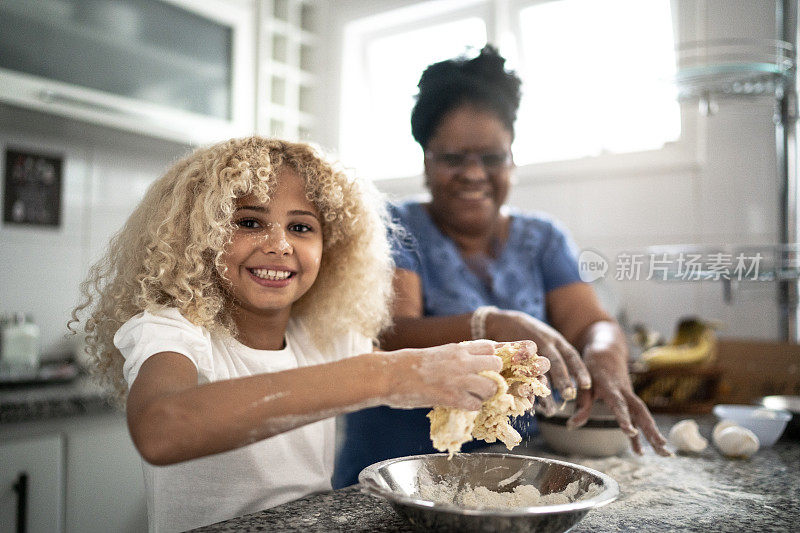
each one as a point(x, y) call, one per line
point(536, 258)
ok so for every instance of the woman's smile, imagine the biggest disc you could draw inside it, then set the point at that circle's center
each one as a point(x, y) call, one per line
point(468, 169)
point(472, 195)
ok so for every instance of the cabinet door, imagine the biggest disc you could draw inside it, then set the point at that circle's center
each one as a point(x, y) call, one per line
point(105, 484)
point(178, 69)
point(39, 463)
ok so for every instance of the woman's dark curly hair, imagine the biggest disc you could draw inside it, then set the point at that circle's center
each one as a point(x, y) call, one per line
point(481, 81)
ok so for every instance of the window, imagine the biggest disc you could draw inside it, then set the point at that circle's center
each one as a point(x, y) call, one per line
point(595, 77)
point(376, 131)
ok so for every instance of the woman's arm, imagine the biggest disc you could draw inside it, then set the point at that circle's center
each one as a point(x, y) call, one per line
point(409, 328)
point(172, 419)
point(412, 329)
point(575, 311)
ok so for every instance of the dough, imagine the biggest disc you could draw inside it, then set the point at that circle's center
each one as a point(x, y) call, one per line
point(450, 428)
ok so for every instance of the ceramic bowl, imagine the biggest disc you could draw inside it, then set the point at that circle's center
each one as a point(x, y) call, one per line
point(786, 403)
point(767, 424)
point(599, 437)
point(398, 481)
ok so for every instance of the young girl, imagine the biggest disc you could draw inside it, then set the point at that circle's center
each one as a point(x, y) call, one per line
point(235, 310)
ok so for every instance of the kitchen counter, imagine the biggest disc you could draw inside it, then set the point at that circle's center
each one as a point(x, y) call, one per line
point(704, 492)
point(56, 400)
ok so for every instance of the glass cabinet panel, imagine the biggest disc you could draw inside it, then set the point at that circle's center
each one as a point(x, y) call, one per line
point(142, 49)
point(176, 69)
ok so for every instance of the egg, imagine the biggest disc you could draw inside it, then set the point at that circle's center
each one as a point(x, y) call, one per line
point(719, 426)
point(736, 441)
point(685, 436)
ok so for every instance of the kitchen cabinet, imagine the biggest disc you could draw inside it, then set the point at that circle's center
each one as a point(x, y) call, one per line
point(286, 75)
point(91, 474)
point(104, 484)
point(32, 483)
point(176, 69)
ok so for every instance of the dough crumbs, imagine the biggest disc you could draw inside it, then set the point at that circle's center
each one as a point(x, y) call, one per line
point(450, 428)
point(521, 496)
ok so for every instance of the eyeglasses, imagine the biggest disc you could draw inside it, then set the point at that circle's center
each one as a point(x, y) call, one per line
point(452, 161)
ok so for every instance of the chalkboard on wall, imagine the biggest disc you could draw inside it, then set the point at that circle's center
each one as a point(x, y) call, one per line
point(32, 188)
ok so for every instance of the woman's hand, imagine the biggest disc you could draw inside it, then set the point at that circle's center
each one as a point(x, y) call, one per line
point(442, 375)
point(606, 357)
point(566, 365)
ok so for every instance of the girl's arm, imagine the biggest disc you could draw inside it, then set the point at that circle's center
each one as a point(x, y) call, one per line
point(173, 419)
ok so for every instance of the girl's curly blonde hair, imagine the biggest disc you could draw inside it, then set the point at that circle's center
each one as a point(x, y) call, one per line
point(169, 252)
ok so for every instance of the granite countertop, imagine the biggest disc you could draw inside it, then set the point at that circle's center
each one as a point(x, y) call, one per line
point(40, 402)
point(704, 492)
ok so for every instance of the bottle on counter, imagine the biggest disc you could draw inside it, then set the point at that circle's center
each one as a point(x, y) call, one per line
point(19, 343)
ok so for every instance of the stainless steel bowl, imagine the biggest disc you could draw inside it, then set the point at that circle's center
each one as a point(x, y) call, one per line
point(398, 481)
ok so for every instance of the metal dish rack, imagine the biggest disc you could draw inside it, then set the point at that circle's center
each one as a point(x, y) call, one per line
point(748, 68)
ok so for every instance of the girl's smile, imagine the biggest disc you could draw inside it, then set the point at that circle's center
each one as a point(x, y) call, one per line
point(276, 248)
point(270, 277)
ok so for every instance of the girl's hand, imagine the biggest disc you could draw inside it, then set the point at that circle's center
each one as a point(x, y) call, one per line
point(442, 375)
point(566, 365)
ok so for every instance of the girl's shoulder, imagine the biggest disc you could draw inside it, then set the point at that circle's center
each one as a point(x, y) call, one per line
point(166, 316)
point(160, 323)
point(163, 330)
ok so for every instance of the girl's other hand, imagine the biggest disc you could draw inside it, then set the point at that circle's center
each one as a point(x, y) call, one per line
point(444, 375)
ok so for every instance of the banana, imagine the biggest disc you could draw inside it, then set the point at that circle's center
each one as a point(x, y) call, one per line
point(694, 343)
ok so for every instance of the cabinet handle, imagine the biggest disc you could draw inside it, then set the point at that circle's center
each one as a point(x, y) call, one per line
point(49, 96)
point(21, 488)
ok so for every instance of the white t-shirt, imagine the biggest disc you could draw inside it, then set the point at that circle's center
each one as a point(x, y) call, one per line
point(248, 479)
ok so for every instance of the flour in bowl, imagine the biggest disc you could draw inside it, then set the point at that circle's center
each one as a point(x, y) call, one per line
point(484, 498)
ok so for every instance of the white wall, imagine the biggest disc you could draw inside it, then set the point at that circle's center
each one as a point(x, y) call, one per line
point(105, 174)
point(718, 186)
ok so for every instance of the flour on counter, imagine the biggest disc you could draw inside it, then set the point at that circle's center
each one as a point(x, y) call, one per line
point(695, 486)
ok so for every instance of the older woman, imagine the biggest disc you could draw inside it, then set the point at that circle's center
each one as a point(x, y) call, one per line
point(469, 267)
